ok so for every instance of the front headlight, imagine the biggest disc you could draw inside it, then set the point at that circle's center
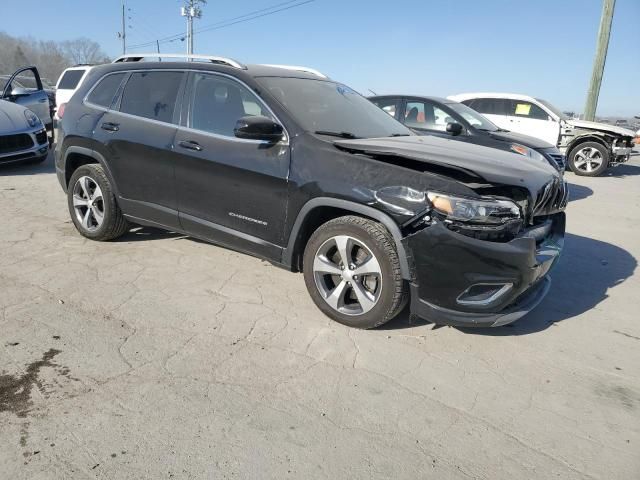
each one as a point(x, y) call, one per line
point(482, 211)
point(527, 152)
point(32, 118)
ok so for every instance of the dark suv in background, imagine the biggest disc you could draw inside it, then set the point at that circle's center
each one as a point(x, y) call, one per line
point(444, 117)
point(287, 165)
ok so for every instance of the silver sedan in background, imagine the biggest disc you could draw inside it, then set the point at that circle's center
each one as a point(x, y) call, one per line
point(23, 137)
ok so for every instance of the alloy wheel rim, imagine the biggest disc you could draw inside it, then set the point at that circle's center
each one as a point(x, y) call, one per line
point(88, 203)
point(588, 159)
point(347, 275)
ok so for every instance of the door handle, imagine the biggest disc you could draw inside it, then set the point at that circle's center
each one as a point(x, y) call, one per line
point(190, 145)
point(110, 127)
point(42, 100)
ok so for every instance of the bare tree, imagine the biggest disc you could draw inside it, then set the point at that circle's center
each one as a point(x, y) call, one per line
point(83, 50)
point(50, 57)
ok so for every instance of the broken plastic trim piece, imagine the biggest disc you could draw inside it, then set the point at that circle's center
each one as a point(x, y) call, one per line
point(483, 294)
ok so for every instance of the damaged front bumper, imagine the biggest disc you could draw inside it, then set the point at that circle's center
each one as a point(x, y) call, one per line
point(462, 281)
point(621, 154)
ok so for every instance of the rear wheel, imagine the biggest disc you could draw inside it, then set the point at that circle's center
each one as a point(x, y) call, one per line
point(589, 159)
point(92, 204)
point(352, 272)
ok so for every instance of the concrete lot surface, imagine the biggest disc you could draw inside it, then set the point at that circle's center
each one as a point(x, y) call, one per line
point(158, 356)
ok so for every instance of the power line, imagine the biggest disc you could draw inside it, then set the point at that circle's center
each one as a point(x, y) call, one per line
point(254, 17)
point(138, 22)
point(231, 21)
point(177, 36)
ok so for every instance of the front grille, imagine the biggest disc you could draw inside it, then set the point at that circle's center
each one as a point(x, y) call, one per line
point(552, 198)
point(15, 143)
point(41, 137)
point(558, 161)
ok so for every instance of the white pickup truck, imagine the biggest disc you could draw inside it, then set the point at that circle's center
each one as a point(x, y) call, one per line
point(590, 147)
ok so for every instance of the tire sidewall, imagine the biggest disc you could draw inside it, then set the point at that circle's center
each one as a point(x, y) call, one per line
point(603, 151)
point(94, 172)
point(378, 314)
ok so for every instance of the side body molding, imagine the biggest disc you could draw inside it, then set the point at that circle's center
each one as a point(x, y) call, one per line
point(287, 255)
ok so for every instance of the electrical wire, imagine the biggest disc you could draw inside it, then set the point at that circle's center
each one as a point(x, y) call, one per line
point(231, 21)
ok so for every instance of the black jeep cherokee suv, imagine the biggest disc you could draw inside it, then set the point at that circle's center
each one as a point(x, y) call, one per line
point(288, 165)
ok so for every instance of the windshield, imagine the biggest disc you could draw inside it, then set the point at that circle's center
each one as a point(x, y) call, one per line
point(324, 106)
point(474, 118)
point(553, 109)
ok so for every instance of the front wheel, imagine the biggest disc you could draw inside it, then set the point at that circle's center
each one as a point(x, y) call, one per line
point(589, 159)
point(352, 272)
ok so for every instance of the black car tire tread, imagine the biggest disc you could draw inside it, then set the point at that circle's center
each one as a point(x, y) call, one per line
point(598, 146)
point(377, 238)
point(115, 225)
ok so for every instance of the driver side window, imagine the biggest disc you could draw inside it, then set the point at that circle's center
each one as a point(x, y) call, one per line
point(425, 115)
point(217, 103)
point(528, 110)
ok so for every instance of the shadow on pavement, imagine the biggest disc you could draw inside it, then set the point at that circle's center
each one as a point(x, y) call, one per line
point(622, 171)
point(144, 234)
point(28, 168)
point(578, 192)
point(581, 280)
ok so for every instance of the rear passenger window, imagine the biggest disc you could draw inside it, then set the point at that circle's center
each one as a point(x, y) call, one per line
point(217, 103)
point(490, 106)
point(70, 79)
point(106, 89)
point(151, 95)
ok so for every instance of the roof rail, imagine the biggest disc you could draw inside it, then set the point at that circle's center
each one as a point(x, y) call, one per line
point(137, 57)
point(312, 71)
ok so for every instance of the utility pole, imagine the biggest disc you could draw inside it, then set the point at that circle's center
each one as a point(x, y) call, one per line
point(602, 46)
point(191, 10)
point(122, 35)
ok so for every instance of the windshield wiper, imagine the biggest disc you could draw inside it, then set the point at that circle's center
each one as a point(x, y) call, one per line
point(400, 135)
point(336, 134)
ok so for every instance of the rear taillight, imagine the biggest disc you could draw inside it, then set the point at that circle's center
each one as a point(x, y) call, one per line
point(61, 108)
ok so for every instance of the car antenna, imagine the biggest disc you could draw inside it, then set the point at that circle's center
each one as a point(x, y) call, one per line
point(372, 91)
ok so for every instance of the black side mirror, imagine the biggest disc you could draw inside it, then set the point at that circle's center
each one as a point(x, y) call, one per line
point(258, 128)
point(454, 128)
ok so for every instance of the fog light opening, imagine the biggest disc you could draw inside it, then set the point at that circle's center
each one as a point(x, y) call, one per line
point(483, 293)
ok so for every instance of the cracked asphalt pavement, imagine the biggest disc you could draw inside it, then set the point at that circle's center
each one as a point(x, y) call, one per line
point(158, 356)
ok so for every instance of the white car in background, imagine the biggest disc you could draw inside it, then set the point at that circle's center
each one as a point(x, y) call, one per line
point(590, 147)
point(68, 83)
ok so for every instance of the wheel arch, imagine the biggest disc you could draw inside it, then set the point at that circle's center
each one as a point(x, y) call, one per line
point(76, 156)
point(320, 210)
point(589, 137)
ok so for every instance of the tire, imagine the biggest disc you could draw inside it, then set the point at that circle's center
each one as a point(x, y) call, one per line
point(93, 209)
point(589, 159)
point(364, 300)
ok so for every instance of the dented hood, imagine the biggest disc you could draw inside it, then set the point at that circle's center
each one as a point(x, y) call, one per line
point(604, 127)
point(490, 165)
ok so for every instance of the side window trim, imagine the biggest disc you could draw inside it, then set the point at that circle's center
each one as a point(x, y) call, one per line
point(116, 95)
point(185, 123)
point(115, 105)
